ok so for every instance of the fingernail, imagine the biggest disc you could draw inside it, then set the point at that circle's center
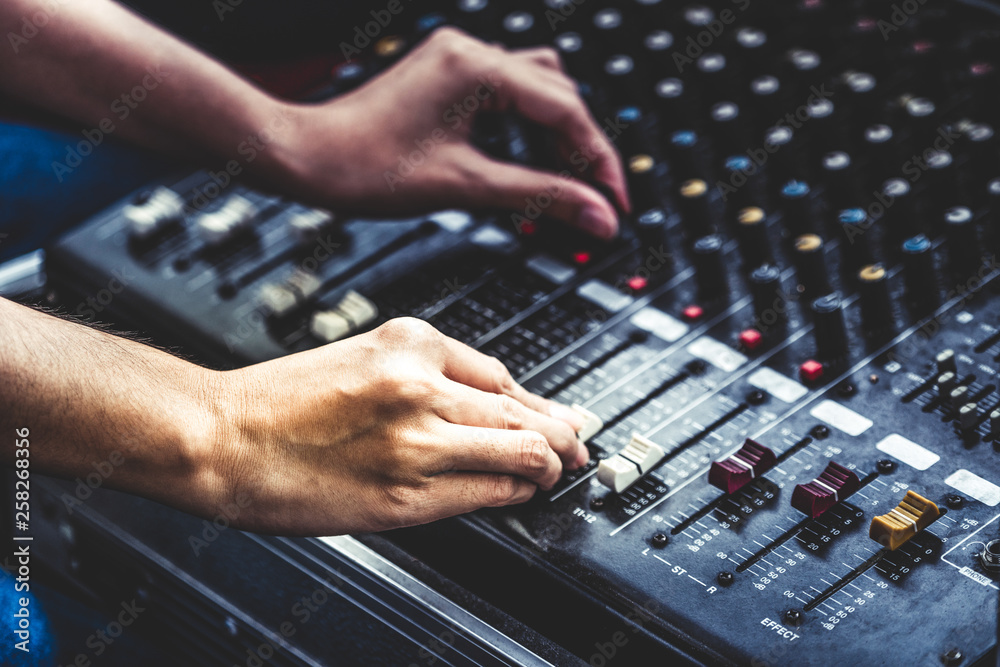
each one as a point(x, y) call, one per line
point(597, 222)
point(583, 456)
point(568, 415)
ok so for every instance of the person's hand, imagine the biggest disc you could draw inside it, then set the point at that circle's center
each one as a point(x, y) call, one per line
point(400, 142)
point(392, 428)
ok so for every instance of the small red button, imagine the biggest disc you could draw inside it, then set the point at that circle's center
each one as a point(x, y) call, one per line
point(979, 69)
point(581, 257)
point(811, 370)
point(528, 227)
point(637, 283)
point(693, 312)
point(750, 339)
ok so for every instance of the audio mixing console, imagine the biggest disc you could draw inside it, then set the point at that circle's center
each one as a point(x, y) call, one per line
point(788, 361)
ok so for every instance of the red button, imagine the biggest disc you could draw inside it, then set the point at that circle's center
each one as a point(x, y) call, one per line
point(979, 69)
point(693, 312)
point(528, 227)
point(581, 257)
point(751, 339)
point(637, 283)
point(811, 370)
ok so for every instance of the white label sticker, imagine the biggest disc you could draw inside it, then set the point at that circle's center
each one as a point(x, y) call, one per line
point(604, 295)
point(550, 268)
point(908, 452)
point(660, 324)
point(721, 356)
point(780, 386)
point(975, 486)
point(841, 418)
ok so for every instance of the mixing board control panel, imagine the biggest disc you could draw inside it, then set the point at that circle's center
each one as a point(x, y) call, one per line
point(788, 361)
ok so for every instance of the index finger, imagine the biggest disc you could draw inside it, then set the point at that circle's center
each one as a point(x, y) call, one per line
point(475, 369)
point(561, 109)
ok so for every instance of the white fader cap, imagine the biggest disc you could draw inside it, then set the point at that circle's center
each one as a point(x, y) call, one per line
point(626, 467)
point(162, 206)
point(592, 424)
point(221, 225)
point(353, 312)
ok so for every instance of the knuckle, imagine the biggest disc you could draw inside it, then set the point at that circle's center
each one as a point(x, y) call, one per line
point(510, 416)
point(393, 453)
point(503, 383)
point(446, 34)
point(548, 55)
point(451, 44)
point(400, 503)
point(409, 330)
point(533, 456)
point(417, 387)
point(401, 383)
point(399, 498)
point(497, 490)
point(570, 113)
point(462, 54)
point(404, 456)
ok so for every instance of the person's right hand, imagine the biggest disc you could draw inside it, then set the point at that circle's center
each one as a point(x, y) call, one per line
point(398, 145)
point(392, 428)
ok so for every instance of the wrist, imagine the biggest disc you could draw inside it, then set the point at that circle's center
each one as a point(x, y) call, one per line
point(310, 152)
point(280, 147)
point(214, 441)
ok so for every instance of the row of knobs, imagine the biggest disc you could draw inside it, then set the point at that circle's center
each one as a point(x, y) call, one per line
point(862, 274)
point(910, 194)
point(826, 24)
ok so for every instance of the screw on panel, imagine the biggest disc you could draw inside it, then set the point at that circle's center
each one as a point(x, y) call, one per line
point(695, 367)
point(954, 501)
point(725, 578)
point(793, 617)
point(820, 431)
point(952, 657)
point(885, 466)
point(227, 290)
point(638, 336)
point(597, 504)
point(660, 540)
point(756, 397)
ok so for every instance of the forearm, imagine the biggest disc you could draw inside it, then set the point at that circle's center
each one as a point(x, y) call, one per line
point(394, 427)
point(90, 398)
point(93, 61)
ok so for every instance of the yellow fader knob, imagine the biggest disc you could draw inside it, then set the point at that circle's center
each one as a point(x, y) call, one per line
point(912, 515)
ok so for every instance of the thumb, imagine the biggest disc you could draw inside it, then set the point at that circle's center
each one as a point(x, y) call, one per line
point(519, 188)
